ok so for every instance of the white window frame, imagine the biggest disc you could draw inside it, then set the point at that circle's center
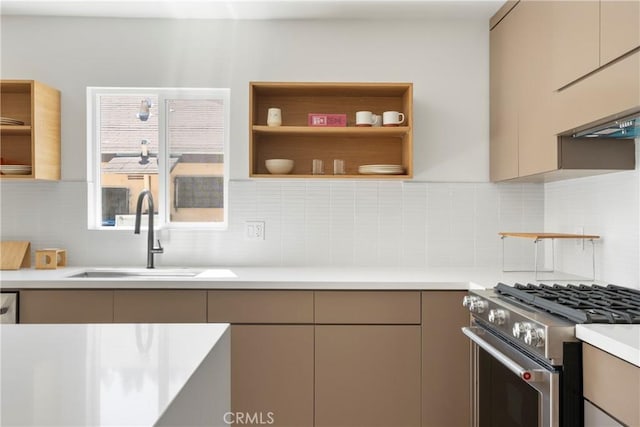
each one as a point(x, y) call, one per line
point(94, 187)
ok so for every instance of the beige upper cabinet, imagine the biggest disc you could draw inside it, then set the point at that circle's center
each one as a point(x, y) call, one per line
point(522, 138)
point(614, 91)
point(503, 126)
point(575, 28)
point(537, 143)
point(588, 35)
point(538, 47)
point(619, 28)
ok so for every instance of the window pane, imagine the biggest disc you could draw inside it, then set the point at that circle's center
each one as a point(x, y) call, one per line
point(129, 155)
point(196, 155)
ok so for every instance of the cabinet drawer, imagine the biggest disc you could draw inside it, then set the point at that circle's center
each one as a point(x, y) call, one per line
point(367, 307)
point(260, 306)
point(612, 384)
point(68, 306)
point(166, 306)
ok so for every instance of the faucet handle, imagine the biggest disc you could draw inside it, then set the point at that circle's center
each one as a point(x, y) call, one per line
point(159, 249)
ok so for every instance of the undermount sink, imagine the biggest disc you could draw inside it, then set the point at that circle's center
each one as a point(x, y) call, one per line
point(124, 273)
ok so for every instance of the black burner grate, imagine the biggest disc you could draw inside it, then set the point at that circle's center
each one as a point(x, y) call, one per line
point(580, 303)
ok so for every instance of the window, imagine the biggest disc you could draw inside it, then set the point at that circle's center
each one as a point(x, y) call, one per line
point(173, 142)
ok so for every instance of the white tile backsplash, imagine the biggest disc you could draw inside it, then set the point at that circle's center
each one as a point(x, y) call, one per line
point(307, 222)
point(608, 206)
point(359, 223)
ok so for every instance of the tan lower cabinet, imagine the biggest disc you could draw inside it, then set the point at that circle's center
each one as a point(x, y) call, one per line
point(257, 306)
point(160, 306)
point(367, 375)
point(611, 384)
point(272, 374)
point(446, 360)
point(309, 358)
point(271, 354)
point(66, 306)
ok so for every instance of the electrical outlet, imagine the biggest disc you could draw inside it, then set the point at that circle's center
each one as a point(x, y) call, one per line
point(254, 230)
point(580, 242)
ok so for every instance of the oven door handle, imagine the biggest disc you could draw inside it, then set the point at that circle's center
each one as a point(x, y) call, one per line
point(528, 375)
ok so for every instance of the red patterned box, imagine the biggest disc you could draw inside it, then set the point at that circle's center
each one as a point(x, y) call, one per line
point(333, 120)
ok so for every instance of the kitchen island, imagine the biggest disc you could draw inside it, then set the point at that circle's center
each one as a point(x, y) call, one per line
point(115, 374)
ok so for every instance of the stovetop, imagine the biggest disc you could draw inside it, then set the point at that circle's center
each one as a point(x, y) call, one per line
point(579, 303)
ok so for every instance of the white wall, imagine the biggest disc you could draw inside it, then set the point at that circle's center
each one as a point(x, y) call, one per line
point(446, 61)
point(447, 216)
point(307, 222)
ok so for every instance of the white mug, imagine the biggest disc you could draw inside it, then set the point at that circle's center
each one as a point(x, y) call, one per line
point(274, 117)
point(392, 118)
point(364, 118)
point(377, 120)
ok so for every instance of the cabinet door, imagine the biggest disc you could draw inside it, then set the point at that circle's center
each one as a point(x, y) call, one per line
point(619, 28)
point(596, 417)
point(611, 92)
point(575, 28)
point(160, 306)
point(446, 359)
point(367, 375)
point(612, 384)
point(66, 306)
point(537, 143)
point(503, 122)
point(272, 374)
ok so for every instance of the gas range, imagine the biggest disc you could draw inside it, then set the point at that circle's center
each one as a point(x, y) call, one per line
point(539, 319)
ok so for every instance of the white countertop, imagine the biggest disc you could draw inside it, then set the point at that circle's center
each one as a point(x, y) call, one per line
point(622, 341)
point(277, 278)
point(110, 374)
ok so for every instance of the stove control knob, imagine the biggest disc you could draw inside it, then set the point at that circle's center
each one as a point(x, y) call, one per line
point(534, 337)
point(520, 328)
point(466, 301)
point(474, 304)
point(478, 306)
point(497, 316)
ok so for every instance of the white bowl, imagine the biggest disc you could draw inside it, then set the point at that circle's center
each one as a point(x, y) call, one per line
point(279, 166)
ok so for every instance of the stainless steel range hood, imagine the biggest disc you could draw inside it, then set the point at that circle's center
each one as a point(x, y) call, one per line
point(623, 128)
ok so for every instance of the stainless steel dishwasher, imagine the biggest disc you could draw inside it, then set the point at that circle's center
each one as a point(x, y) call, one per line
point(9, 307)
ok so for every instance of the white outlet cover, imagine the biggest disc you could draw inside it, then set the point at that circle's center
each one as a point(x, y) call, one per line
point(254, 230)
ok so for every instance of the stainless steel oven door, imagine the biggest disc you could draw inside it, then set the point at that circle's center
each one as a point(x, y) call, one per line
point(510, 388)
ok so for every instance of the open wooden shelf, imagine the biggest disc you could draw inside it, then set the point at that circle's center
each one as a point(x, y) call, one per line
point(364, 132)
point(355, 145)
point(540, 236)
point(37, 142)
